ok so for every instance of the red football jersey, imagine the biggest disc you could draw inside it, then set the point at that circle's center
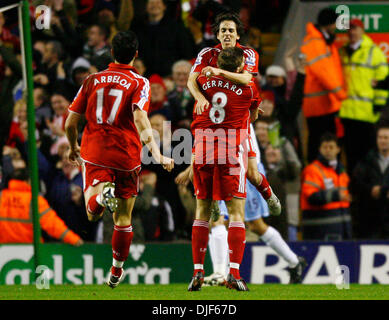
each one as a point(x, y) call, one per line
point(108, 99)
point(229, 104)
point(227, 118)
point(208, 57)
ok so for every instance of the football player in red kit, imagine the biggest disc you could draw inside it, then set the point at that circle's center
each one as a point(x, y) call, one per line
point(115, 102)
point(219, 170)
point(228, 29)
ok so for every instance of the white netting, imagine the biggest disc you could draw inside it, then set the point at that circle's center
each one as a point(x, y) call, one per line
point(11, 6)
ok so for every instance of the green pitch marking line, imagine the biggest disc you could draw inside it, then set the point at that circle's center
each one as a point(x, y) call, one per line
point(179, 292)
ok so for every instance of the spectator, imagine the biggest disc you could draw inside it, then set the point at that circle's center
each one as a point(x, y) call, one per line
point(64, 194)
point(166, 186)
point(154, 211)
point(80, 69)
point(60, 104)
point(276, 82)
point(106, 16)
point(9, 41)
point(12, 160)
point(16, 221)
point(283, 172)
point(51, 65)
point(97, 49)
point(261, 128)
point(325, 199)
point(285, 107)
point(15, 135)
point(370, 190)
point(323, 89)
point(12, 75)
point(159, 103)
point(162, 41)
point(42, 107)
point(67, 6)
point(272, 156)
point(64, 28)
point(254, 38)
point(140, 66)
point(364, 65)
point(180, 100)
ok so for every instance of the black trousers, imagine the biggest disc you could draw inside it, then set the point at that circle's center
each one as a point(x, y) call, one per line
point(317, 126)
point(328, 232)
point(359, 139)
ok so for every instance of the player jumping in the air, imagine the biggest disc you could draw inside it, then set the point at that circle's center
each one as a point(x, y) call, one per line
point(115, 103)
point(228, 29)
point(219, 171)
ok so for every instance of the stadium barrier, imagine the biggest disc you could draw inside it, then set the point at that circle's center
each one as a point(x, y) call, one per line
point(328, 262)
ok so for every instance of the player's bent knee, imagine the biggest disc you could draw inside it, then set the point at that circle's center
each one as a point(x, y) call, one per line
point(257, 226)
point(94, 217)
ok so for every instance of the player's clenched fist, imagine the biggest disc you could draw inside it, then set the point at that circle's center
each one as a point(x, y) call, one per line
point(167, 163)
point(74, 155)
point(210, 71)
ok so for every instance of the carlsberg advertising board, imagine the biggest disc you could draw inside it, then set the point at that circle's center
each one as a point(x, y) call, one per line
point(357, 262)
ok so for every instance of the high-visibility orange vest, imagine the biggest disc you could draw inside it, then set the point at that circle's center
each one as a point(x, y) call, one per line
point(324, 83)
point(317, 177)
point(16, 216)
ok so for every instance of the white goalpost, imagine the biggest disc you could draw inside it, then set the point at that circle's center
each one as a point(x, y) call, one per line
point(28, 87)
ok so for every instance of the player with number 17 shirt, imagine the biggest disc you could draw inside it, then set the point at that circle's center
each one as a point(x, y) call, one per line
point(107, 99)
point(115, 103)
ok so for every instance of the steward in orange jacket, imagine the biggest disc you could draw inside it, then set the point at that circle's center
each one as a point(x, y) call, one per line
point(324, 83)
point(325, 199)
point(16, 217)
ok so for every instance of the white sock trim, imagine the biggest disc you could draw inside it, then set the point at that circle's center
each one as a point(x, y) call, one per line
point(198, 266)
point(98, 200)
point(117, 263)
point(201, 223)
point(234, 265)
point(236, 224)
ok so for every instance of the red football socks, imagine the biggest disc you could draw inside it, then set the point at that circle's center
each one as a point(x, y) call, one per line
point(264, 187)
point(200, 233)
point(94, 207)
point(236, 243)
point(121, 241)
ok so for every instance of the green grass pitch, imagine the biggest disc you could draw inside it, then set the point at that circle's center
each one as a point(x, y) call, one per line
point(179, 292)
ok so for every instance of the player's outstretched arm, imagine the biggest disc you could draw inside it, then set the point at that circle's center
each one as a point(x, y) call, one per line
point(243, 78)
point(145, 131)
point(71, 132)
point(201, 103)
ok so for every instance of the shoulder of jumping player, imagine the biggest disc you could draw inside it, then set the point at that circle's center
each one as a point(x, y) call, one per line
point(252, 59)
point(204, 58)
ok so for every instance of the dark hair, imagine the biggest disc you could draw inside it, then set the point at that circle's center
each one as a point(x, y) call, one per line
point(230, 16)
point(63, 92)
point(230, 59)
point(103, 30)
point(382, 124)
point(57, 49)
point(124, 46)
point(20, 174)
point(328, 137)
point(43, 95)
point(326, 17)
